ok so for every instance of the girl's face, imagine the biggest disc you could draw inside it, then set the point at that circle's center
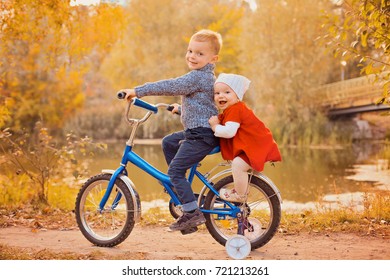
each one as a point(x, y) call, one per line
point(224, 96)
point(199, 54)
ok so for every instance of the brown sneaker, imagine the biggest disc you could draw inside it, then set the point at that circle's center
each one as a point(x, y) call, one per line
point(188, 220)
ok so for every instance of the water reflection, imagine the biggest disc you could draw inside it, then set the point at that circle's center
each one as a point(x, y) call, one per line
point(303, 177)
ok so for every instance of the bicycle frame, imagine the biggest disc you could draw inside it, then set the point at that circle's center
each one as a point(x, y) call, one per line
point(130, 156)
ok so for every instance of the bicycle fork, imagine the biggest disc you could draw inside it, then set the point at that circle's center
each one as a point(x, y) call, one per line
point(109, 190)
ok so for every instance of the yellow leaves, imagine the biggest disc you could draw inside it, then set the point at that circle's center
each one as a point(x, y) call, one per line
point(4, 113)
point(41, 60)
point(110, 21)
point(15, 188)
point(363, 38)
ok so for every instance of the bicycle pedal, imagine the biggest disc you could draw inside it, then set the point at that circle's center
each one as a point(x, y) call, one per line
point(189, 230)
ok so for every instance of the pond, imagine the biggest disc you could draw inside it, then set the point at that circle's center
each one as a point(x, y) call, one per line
point(305, 177)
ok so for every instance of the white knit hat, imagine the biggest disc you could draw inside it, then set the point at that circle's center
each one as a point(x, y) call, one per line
point(239, 84)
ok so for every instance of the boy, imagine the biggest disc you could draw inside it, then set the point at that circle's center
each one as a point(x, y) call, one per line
point(185, 148)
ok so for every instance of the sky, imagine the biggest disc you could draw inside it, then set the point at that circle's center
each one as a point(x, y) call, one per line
point(83, 2)
point(252, 3)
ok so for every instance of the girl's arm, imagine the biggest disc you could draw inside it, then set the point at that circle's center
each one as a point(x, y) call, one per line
point(228, 130)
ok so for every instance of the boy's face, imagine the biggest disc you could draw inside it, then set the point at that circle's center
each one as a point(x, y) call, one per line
point(224, 96)
point(199, 54)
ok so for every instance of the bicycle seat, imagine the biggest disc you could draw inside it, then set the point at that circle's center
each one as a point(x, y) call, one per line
point(215, 150)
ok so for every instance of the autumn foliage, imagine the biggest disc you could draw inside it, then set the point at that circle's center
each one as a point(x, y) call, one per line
point(58, 60)
point(47, 47)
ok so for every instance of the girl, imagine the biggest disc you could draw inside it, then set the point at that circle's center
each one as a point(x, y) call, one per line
point(244, 139)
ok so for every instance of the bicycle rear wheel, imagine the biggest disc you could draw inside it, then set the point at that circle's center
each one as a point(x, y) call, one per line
point(261, 213)
point(109, 226)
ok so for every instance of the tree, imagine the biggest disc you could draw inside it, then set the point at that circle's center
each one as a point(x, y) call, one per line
point(156, 41)
point(40, 162)
point(154, 47)
point(46, 49)
point(284, 62)
point(360, 30)
point(34, 58)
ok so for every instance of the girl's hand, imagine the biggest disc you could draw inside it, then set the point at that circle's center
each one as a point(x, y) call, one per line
point(214, 121)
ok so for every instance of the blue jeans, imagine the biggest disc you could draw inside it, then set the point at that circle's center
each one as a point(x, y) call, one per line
point(182, 150)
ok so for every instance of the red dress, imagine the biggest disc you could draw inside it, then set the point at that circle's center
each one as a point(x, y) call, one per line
point(253, 141)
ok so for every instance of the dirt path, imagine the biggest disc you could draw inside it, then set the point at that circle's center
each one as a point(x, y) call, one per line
point(157, 243)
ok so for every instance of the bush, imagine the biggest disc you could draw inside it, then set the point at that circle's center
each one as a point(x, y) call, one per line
point(31, 164)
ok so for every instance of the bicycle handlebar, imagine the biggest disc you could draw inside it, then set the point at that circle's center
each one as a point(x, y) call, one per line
point(143, 104)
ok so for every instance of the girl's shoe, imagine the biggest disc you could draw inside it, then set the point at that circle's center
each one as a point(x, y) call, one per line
point(232, 196)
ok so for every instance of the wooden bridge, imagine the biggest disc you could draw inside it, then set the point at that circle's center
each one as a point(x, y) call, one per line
point(350, 97)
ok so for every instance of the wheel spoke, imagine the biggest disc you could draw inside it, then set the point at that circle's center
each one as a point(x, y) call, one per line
point(261, 213)
point(108, 226)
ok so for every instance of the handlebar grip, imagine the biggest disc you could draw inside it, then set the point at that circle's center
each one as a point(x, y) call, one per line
point(121, 95)
point(145, 105)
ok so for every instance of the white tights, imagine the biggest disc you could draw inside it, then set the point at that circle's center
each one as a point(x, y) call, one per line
point(240, 175)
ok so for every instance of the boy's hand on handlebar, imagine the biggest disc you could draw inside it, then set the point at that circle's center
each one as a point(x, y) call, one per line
point(130, 93)
point(175, 109)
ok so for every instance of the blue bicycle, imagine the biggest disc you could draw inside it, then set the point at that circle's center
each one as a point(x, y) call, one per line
point(108, 205)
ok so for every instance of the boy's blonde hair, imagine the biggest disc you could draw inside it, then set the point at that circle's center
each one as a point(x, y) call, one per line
point(206, 35)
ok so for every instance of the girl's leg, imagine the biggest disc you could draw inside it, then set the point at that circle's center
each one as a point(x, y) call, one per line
point(240, 175)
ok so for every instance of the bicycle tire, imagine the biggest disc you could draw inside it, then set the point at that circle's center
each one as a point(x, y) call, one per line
point(112, 225)
point(262, 208)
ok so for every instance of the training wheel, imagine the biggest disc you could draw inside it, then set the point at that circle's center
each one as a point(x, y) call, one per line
point(238, 247)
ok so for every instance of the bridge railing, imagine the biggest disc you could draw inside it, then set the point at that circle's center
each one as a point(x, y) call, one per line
point(348, 93)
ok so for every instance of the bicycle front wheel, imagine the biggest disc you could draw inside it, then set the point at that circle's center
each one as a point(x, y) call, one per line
point(111, 225)
point(261, 213)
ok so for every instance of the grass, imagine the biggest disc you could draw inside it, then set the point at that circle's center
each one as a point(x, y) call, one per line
point(334, 221)
point(375, 218)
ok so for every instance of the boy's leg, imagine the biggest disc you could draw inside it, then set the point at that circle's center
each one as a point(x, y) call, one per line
point(191, 151)
point(171, 144)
